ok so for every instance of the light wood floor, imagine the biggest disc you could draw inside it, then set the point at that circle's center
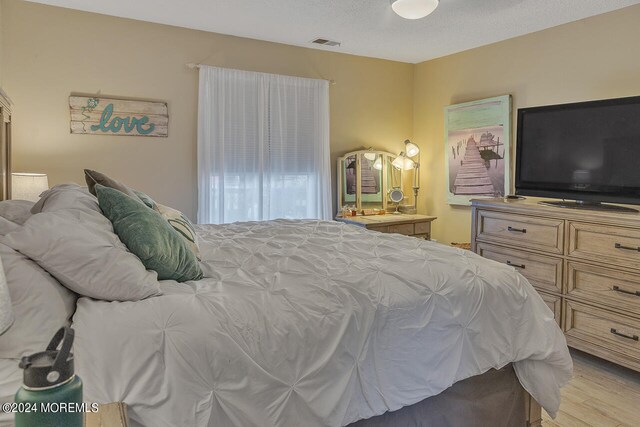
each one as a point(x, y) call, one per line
point(600, 394)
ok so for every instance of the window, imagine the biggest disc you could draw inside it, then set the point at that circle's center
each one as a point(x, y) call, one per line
point(263, 147)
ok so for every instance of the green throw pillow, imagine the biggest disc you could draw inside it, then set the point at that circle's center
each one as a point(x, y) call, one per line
point(145, 199)
point(176, 219)
point(149, 236)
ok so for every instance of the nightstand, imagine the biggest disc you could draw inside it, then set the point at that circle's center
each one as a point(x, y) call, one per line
point(409, 225)
point(108, 415)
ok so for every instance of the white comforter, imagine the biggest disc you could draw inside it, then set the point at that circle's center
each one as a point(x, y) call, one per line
point(305, 323)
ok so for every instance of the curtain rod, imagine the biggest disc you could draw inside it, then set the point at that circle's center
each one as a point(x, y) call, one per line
point(193, 65)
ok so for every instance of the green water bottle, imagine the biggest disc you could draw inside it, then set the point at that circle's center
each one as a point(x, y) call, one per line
point(51, 395)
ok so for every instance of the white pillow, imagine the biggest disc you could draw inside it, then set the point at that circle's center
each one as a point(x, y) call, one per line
point(79, 248)
point(10, 382)
point(6, 310)
point(16, 210)
point(7, 226)
point(66, 196)
point(40, 304)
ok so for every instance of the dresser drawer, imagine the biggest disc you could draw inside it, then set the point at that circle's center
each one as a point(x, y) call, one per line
point(406, 229)
point(554, 303)
point(521, 230)
point(603, 285)
point(543, 272)
point(616, 245)
point(422, 227)
point(613, 332)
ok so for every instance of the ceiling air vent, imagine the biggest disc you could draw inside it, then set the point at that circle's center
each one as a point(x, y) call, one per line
point(325, 42)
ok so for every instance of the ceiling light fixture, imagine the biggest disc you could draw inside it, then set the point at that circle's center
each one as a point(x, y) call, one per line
point(414, 9)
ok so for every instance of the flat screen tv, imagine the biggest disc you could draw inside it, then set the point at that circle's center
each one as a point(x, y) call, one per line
point(588, 152)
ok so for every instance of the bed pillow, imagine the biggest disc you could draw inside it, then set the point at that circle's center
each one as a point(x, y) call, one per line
point(16, 210)
point(176, 219)
point(148, 235)
point(6, 311)
point(10, 381)
point(93, 178)
point(7, 226)
point(182, 225)
point(146, 199)
point(79, 248)
point(40, 304)
point(66, 196)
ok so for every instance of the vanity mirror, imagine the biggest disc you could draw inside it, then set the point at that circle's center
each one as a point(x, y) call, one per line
point(366, 178)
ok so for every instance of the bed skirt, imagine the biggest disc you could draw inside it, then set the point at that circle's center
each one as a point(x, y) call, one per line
point(494, 398)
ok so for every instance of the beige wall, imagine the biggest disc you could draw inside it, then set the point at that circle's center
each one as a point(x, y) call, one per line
point(1, 45)
point(51, 52)
point(594, 58)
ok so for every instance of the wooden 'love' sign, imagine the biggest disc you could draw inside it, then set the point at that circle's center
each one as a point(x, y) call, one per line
point(109, 116)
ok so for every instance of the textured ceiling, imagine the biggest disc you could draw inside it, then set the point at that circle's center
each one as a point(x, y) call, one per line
point(364, 27)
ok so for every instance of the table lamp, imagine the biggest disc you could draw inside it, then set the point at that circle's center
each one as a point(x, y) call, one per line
point(28, 186)
point(414, 151)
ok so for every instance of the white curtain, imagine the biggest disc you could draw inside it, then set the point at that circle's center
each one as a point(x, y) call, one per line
point(263, 147)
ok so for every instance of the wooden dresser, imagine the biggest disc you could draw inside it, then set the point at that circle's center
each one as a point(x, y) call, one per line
point(585, 265)
point(409, 225)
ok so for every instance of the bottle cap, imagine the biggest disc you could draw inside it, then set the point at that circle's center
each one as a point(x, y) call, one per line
point(51, 367)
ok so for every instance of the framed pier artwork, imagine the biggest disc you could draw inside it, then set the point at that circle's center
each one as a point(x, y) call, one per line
point(477, 149)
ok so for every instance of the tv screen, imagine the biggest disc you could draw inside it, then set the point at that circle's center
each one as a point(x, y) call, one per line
point(586, 151)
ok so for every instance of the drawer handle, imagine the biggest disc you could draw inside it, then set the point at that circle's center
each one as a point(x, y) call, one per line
point(620, 334)
point(623, 291)
point(518, 230)
point(515, 265)
point(628, 248)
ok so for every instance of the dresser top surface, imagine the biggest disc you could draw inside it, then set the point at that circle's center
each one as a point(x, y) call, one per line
point(532, 206)
point(387, 219)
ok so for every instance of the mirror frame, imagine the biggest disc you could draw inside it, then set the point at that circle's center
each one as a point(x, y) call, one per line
point(387, 159)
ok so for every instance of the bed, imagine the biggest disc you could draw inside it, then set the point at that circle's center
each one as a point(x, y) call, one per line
point(321, 323)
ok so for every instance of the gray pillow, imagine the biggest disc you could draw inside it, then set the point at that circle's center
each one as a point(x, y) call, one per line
point(40, 304)
point(78, 247)
point(93, 177)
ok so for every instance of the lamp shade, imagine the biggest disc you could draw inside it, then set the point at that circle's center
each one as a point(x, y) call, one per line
point(28, 186)
point(414, 9)
point(402, 162)
point(411, 148)
point(6, 313)
point(408, 164)
point(398, 162)
point(370, 155)
point(378, 163)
